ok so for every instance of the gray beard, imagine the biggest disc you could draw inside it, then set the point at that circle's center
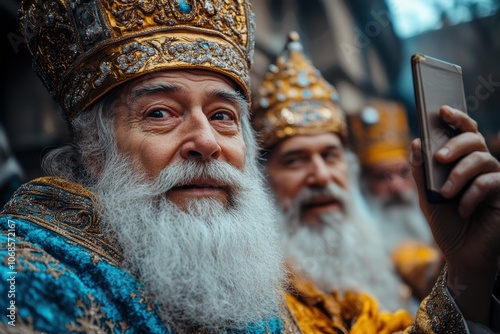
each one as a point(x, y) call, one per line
point(345, 253)
point(212, 266)
point(400, 219)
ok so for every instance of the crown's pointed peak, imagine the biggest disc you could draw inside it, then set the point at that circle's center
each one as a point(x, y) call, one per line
point(294, 98)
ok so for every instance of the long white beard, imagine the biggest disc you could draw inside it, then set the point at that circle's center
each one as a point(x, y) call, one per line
point(345, 254)
point(400, 219)
point(210, 267)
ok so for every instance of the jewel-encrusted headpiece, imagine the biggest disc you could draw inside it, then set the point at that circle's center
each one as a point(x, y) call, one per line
point(295, 99)
point(380, 132)
point(83, 48)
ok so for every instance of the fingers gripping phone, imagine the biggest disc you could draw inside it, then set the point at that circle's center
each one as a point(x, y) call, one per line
point(435, 83)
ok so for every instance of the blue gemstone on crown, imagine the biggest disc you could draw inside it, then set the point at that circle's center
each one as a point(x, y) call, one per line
point(302, 79)
point(264, 103)
point(183, 7)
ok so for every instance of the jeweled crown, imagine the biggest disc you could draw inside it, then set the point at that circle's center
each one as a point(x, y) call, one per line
point(295, 99)
point(380, 132)
point(83, 48)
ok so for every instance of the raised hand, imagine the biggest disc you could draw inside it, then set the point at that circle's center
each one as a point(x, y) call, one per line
point(467, 230)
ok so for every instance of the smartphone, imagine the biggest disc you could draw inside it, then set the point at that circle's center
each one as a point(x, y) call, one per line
point(436, 82)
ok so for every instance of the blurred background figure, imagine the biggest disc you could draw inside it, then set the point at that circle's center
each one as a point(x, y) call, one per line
point(381, 137)
point(327, 235)
point(11, 173)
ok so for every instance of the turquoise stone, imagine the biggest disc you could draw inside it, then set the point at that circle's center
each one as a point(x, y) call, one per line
point(264, 103)
point(183, 6)
point(306, 94)
point(302, 79)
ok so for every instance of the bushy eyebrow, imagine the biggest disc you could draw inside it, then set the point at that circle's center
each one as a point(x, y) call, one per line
point(232, 97)
point(161, 88)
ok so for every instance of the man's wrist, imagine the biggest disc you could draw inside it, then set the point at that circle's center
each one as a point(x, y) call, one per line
point(472, 290)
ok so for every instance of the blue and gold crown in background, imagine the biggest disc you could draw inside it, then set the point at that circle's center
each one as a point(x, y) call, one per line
point(83, 48)
point(295, 99)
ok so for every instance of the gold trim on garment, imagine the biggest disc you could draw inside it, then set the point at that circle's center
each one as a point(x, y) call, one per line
point(67, 209)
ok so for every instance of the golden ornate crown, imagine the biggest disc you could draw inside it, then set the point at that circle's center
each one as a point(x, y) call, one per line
point(295, 99)
point(81, 49)
point(380, 132)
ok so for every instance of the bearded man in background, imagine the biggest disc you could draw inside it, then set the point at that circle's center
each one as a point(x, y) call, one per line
point(380, 135)
point(326, 233)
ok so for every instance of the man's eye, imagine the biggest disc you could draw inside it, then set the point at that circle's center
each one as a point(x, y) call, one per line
point(159, 113)
point(292, 162)
point(405, 173)
point(330, 156)
point(221, 116)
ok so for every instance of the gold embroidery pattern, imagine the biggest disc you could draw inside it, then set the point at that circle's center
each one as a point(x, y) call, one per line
point(28, 256)
point(20, 327)
point(90, 321)
point(64, 208)
point(143, 300)
point(442, 314)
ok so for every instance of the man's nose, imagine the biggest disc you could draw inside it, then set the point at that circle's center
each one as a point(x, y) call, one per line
point(200, 141)
point(320, 173)
point(397, 183)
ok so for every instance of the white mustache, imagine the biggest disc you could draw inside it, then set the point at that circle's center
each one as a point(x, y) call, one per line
point(182, 173)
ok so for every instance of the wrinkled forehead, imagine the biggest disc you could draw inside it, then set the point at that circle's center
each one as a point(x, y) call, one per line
point(173, 77)
point(309, 142)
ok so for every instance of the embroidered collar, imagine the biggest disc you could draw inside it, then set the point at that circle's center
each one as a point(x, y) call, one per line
point(65, 208)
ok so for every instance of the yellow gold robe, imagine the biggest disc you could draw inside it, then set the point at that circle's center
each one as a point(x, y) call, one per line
point(314, 311)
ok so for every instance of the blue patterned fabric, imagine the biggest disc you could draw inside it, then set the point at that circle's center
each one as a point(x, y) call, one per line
point(60, 275)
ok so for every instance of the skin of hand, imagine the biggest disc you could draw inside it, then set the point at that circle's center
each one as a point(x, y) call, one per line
point(467, 230)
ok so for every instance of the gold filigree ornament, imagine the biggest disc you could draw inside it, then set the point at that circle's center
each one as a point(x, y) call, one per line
point(83, 48)
point(295, 99)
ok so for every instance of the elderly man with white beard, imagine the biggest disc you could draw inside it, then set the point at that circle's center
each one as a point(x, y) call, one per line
point(339, 272)
point(380, 136)
point(326, 232)
point(147, 222)
point(381, 139)
point(155, 218)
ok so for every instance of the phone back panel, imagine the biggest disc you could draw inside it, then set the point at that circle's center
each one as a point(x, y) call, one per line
point(436, 83)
